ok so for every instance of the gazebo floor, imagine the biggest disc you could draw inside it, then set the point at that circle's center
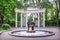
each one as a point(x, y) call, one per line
point(6, 36)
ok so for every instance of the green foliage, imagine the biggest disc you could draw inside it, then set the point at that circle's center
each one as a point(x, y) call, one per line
point(19, 5)
point(7, 10)
point(11, 22)
point(5, 26)
point(25, 0)
point(30, 19)
point(49, 6)
point(36, 19)
point(1, 29)
point(46, 5)
point(6, 7)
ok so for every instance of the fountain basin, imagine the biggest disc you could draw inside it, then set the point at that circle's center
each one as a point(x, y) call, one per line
point(36, 33)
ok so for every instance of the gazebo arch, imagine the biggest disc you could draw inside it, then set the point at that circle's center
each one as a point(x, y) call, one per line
point(33, 11)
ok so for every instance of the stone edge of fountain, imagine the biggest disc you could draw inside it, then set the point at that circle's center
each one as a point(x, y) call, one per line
point(51, 33)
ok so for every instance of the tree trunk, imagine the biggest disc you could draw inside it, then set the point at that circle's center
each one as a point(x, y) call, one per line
point(2, 19)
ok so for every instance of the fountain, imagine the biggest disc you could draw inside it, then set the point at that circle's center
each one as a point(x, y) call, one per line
point(31, 32)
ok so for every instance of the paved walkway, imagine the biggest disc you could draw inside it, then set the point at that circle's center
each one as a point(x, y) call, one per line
point(6, 36)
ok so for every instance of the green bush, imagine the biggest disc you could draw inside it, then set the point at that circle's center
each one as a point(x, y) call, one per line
point(5, 26)
point(11, 22)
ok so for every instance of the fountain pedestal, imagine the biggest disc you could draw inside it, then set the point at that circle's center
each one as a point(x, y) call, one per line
point(31, 27)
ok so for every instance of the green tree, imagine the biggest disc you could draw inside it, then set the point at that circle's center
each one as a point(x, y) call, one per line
point(6, 7)
point(49, 7)
point(46, 5)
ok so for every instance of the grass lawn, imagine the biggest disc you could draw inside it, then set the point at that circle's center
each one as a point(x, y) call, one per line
point(1, 30)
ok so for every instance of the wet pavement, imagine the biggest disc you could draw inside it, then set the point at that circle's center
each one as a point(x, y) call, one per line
point(6, 36)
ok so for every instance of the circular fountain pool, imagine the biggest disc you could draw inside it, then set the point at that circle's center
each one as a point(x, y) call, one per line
point(37, 33)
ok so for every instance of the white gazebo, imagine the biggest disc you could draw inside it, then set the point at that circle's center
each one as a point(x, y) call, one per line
point(32, 11)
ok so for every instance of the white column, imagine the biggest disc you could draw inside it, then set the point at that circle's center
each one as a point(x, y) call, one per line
point(38, 21)
point(16, 20)
point(33, 17)
point(21, 19)
point(26, 20)
point(44, 20)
